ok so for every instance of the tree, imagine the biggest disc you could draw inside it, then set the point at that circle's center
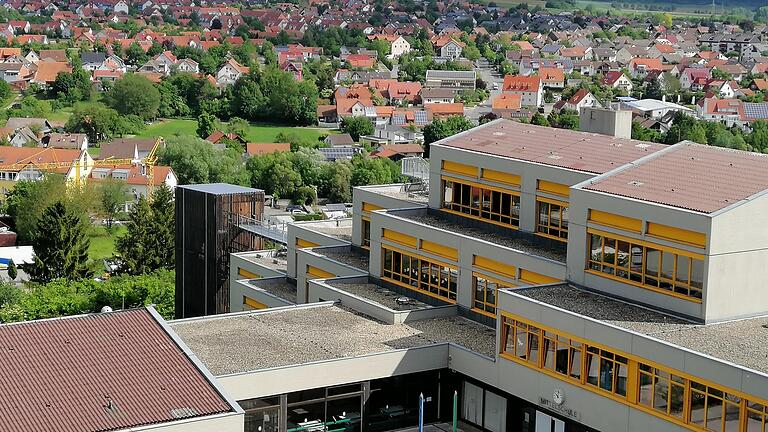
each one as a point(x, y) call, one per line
point(27, 201)
point(685, 127)
point(97, 121)
point(440, 129)
point(12, 273)
point(164, 226)
point(357, 126)
point(135, 95)
point(336, 181)
point(206, 125)
point(539, 120)
point(136, 247)
point(61, 244)
point(113, 195)
point(72, 87)
point(195, 161)
point(135, 54)
point(653, 90)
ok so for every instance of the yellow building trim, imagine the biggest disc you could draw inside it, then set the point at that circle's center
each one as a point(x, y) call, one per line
point(438, 249)
point(255, 304)
point(501, 177)
point(615, 221)
point(420, 291)
point(677, 235)
point(481, 185)
point(247, 274)
point(318, 273)
point(645, 243)
point(561, 203)
point(640, 285)
point(403, 239)
point(459, 168)
point(368, 207)
point(553, 188)
point(632, 377)
point(534, 278)
point(468, 216)
point(494, 266)
point(419, 256)
point(301, 243)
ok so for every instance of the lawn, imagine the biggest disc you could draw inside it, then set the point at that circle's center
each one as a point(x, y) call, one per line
point(258, 132)
point(102, 242)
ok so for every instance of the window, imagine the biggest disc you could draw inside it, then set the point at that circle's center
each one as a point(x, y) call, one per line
point(420, 275)
point(646, 266)
point(552, 219)
point(366, 243)
point(607, 370)
point(483, 203)
point(485, 290)
point(658, 390)
point(662, 391)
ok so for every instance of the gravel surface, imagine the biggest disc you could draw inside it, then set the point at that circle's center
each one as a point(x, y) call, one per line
point(379, 295)
point(742, 342)
point(350, 258)
point(279, 264)
point(295, 336)
point(278, 287)
point(517, 243)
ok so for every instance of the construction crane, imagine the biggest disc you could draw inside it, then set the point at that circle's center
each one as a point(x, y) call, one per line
point(89, 163)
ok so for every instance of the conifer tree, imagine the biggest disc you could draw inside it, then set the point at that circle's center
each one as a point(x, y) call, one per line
point(61, 244)
point(164, 226)
point(137, 246)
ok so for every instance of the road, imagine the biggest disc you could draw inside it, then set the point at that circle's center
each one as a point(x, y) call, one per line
point(487, 72)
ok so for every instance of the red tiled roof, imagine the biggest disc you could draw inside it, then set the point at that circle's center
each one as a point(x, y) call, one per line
point(675, 178)
point(507, 101)
point(266, 148)
point(581, 151)
point(108, 371)
point(522, 83)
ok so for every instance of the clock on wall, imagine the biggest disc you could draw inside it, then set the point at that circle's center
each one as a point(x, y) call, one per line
point(558, 396)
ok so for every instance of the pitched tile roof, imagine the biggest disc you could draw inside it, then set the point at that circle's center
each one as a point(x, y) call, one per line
point(674, 178)
point(108, 371)
point(580, 151)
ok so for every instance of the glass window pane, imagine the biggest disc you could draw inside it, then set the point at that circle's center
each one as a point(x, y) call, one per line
point(606, 374)
point(448, 192)
point(554, 215)
point(697, 273)
point(596, 247)
point(521, 346)
point(564, 222)
point(676, 399)
point(561, 364)
point(697, 408)
point(661, 394)
point(609, 251)
point(576, 362)
point(668, 265)
point(652, 257)
point(550, 348)
point(621, 372)
point(683, 265)
point(646, 389)
point(714, 413)
point(593, 365)
point(533, 345)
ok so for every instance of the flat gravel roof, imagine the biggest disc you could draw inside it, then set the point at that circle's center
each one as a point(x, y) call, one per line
point(277, 286)
point(742, 342)
point(501, 237)
point(273, 338)
point(379, 295)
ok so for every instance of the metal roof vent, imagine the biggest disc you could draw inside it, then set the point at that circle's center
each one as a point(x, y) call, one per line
point(642, 145)
point(106, 309)
point(636, 183)
point(499, 133)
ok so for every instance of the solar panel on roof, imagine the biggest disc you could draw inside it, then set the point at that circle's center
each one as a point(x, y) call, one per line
point(420, 117)
point(756, 110)
point(398, 120)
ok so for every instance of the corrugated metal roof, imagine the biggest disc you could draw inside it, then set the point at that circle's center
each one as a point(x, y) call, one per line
point(581, 151)
point(98, 372)
point(691, 176)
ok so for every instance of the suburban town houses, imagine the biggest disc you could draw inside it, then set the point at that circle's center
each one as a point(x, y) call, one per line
point(377, 215)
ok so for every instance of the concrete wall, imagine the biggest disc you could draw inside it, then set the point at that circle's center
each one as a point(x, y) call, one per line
point(467, 247)
point(240, 261)
point(240, 288)
point(583, 200)
point(304, 232)
point(737, 262)
point(313, 257)
point(606, 121)
point(274, 381)
point(372, 195)
point(598, 411)
point(228, 422)
point(529, 173)
point(319, 290)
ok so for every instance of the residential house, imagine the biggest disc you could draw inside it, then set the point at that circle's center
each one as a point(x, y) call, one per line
point(294, 68)
point(726, 111)
point(436, 95)
point(448, 47)
point(401, 146)
point(690, 76)
point(23, 163)
point(124, 148)
point(397, 44)
point(188, 65)
point(552, 77)
point(640, 67)
point(136, 177)
point(583, 98)
point(47, 71)
point(41, 125)
point(617, 80)
point(230, 72)
point(402, 93)
point(360, 61)
point(218, 136)
point(259, 149)
point(78, 141)
point(528, 87)
point(443, 111)
point(507, 101)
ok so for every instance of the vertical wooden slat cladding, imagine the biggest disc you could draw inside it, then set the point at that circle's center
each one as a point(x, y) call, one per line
point(207, 232)
point(125, 357)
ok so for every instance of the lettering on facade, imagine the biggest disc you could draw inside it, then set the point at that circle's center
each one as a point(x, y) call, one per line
point(560, 409)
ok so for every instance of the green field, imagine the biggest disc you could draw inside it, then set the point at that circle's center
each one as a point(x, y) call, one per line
point(102, 242)
point(258, 132)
